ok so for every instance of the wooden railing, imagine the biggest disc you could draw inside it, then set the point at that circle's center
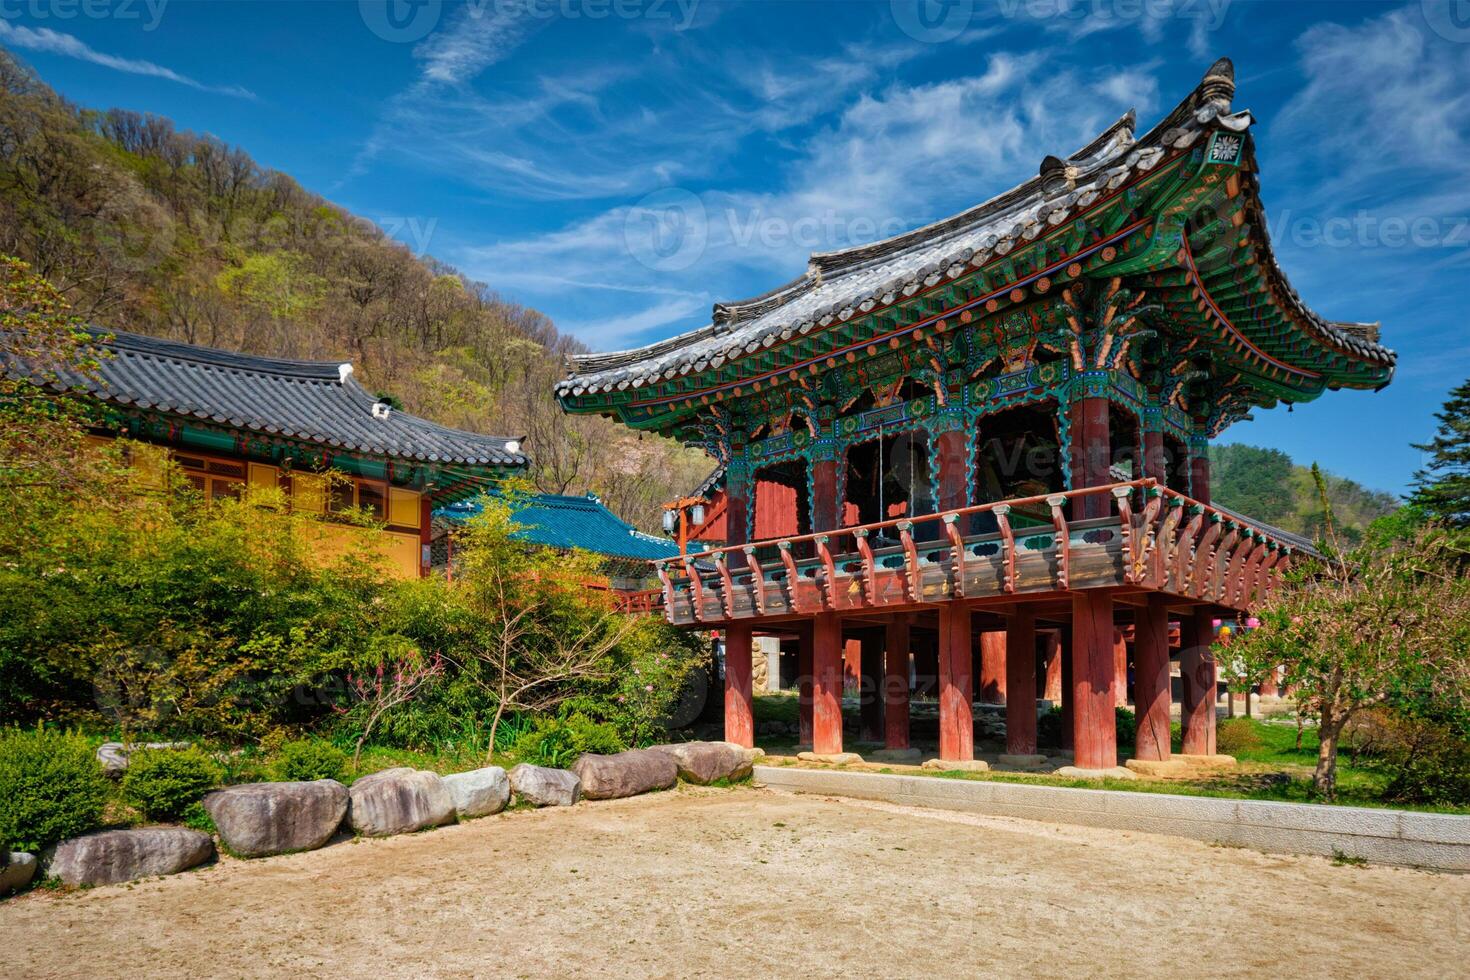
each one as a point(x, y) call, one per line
point(1151, 538)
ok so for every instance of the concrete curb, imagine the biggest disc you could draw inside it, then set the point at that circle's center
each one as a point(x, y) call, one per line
point(1425, 840)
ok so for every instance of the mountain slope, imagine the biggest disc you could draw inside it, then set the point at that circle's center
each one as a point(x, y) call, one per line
point(163, 232)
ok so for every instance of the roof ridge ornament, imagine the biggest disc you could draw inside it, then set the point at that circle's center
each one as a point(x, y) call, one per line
point(1218, 85)
point(344, 371)
point(1056, 177)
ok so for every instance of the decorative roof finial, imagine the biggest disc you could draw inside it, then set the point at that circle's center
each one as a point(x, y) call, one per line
point(1056, 177)
point(1218, 84)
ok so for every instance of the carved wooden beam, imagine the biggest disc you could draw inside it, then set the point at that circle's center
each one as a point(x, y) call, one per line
point(1204, 557)
point(757, 581)
point(668, 583)
point(870, 571)
point(1064, 537)
point(1184, 547)
point(957, 553)
point(791, 583)
point(727, 585)
point(696, 586)
point(1008, 545)
point(829, 584)
point(910, 559)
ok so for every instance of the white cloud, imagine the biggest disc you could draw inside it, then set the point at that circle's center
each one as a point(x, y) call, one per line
point(45, 40)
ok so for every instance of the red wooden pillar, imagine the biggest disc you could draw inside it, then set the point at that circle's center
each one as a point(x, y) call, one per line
point(739, 720)
point(827, 684)
point(1069, 699)
point(804, 649)
point(1092, 453)
point(993, 666)
point(426, 535)
point(953, 485)
point(1151, 679)
point(1020, 691)
point(896, 684)
point(737, 505)
point(1094, 724)
point(1051, 688)
point(870, 688)
point(1197, 677)
point(1120, 669)
point(826, 508)
point(956, 714)
point(1199, 476)
point(852, 663)
point(1155, 461)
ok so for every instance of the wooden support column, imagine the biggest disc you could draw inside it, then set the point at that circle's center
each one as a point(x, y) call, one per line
point(1120, 669)
point(1094, 724)
point(1199, 475)
point(1020, 692)
point(852, 664)
point(1069, 699)
point(956, 714)
point(870, 689)
point(1092, 453)
point(827, 684)
point(1051, 688)
point(953, 490)
point(738, 491)
point(1197, 678)
point(825, 507)
point(993, 666)
point(739, 719)
point(804, 649)
point(1155, 460)
point(1151, 679)
point(896, 683)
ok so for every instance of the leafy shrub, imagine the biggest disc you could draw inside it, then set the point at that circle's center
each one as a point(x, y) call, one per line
point(1127, 730)
point(309, 759)
point(557, 742)
point(165, 783)
point(51, 787)
point(1237, 735)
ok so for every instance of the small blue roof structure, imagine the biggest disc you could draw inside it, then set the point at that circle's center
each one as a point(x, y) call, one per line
point(563, 522)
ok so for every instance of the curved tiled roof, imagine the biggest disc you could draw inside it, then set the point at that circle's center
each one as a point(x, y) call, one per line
point(564, 522)
point(311, 402)
point(840, 285)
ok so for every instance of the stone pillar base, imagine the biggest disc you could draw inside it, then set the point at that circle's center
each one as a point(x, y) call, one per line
point(1156, 767)
point(1205, 760)
point(830, 758)
point(957, 765)
point(1076, 772)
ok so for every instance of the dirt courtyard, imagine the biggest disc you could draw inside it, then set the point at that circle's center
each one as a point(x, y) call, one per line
point(748, 882)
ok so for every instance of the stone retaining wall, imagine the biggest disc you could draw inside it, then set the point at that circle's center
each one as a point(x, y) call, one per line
point(1428, 840)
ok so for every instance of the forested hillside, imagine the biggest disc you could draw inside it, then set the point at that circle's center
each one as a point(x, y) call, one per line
point(1267, 485)
point(150, 229)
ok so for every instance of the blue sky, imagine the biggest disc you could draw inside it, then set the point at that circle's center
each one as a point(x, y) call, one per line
point(538, 148)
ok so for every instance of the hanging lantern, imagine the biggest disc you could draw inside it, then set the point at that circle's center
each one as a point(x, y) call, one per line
point(671, 521)
point(696, 513)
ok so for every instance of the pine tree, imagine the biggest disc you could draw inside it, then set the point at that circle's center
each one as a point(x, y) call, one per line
point(1442, 488)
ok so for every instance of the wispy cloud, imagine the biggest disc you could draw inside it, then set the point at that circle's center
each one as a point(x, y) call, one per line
point(887, 161)
point(45, 40)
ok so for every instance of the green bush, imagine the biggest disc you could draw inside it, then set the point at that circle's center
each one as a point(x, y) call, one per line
point(1237, 735)
point(309, 759)
point(165, 783)
point(557, 742)
point(1127, 731)
point(51, 787)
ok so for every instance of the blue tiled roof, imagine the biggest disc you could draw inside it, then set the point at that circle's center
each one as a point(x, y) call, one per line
point(556, 521)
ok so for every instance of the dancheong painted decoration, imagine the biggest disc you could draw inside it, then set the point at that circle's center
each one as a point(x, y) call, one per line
point(998, 424)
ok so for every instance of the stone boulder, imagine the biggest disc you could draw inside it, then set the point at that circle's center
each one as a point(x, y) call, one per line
point(609, 777)
point(114, 755)
point(17, 871)
point(399, 801)
point(540, 786)
point(111, 856)
point(705, 762)
point(259, 819)
point(480, 792)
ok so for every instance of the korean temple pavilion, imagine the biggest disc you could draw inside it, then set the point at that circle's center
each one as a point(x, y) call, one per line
point(997, 426)
point(230, 420)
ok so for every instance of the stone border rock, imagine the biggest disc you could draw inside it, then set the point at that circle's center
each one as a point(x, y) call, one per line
point(1438, 841)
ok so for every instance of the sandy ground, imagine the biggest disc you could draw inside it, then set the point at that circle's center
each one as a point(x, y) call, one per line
point(748, 882)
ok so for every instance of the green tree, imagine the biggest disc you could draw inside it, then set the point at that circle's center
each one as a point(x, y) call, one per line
point(1442, 488)
point(1387, 623)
